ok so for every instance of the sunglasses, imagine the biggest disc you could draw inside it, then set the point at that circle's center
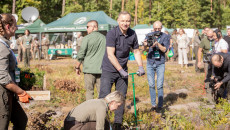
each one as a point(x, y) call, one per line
point(157, 28)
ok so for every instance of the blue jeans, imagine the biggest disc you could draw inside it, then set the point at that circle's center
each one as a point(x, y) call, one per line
point(151, 70)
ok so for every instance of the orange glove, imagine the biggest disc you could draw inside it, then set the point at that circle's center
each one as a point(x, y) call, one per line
point(24, 97)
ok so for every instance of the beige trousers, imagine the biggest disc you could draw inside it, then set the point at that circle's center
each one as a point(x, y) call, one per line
point(182, 56)
point(90, 81)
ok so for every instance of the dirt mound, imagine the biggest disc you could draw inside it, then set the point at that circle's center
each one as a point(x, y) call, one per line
point(39, 121)
point(66, 85)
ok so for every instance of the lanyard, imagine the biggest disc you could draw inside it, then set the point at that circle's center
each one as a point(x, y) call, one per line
point(210, 45)
point(158, 40)
point(10, 50)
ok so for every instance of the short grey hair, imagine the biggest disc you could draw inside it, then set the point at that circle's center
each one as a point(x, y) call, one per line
point(124, 13)
point(115, 96)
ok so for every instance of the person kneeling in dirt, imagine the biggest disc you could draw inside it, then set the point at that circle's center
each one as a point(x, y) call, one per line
point(91, 114)
point(218, 76)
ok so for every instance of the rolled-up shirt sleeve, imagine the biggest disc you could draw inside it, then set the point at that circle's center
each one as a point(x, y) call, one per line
point(135, 44)
point(166, 43)
point(5, 77)
point(110, 40)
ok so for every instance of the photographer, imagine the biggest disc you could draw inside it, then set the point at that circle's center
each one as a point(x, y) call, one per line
point(220, 44)
point(158, 44)
point(218, 74)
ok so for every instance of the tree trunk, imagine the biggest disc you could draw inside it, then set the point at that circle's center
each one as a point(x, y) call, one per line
point(13, 7)
point(111, 7)
point(224, 3)
point(63, 8)
point(150, 9)
point(211, 5)
point(136, 5)
point(219, 13)
point(122, 5)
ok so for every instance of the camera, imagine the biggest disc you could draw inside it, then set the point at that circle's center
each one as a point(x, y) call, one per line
point(214, 81)
point(151, 38)
point(207, 58)
point(215, 92)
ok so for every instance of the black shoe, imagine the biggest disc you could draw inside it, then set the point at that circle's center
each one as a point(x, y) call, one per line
point(153, 108)
point(117, 126)
point(159, 110)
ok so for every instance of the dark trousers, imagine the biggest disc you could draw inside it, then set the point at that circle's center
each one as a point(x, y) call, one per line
point(26, 57)
point(175, 49)
point(11, 110)
point(36, 52)
point(107, 80)
point(75, 125)
point(195, 50)
point(19, 53)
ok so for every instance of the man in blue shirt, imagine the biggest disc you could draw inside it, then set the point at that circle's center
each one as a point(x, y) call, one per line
point(119, 40)
point(156, 63)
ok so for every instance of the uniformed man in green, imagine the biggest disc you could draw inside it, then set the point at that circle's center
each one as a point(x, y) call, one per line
point(206, 46)
point(26, 44)
point(36, 49)
point(45, 46)
point(18, 42)
point(91, 52)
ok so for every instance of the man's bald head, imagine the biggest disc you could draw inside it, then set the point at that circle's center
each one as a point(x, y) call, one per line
point(210, 31)
point(217, 60)
point(210, 34)
point(157, 26)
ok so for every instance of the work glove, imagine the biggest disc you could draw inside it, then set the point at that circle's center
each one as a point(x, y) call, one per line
point(140, 71)
point(24, 97)
point(123, 74)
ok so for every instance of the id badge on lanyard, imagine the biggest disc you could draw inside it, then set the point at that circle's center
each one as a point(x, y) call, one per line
point(27, 43)
point(156, 52)
point(17, 75)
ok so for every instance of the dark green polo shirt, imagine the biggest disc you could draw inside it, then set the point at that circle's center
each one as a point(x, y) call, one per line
point(91, 52)
point(205, 45)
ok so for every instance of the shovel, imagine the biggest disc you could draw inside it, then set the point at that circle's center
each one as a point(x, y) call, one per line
point(134, 100)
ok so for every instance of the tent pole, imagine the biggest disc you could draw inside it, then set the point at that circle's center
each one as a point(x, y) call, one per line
point(40, 44)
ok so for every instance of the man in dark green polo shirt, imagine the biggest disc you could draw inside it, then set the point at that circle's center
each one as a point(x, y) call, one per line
point(91, 52)
point(206, 46)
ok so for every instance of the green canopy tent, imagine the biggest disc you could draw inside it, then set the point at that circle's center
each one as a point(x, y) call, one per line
point(74, 22)
point(142, 26)
point(36, 27)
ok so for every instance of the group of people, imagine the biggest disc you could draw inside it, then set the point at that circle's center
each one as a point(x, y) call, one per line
point(29, 48)
point(213, 47)
point(104, 62)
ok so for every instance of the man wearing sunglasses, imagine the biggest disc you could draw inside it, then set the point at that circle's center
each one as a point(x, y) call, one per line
point(91, 52)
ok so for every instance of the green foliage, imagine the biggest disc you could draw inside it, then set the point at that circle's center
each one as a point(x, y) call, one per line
point(29, 79)
point(173, 14)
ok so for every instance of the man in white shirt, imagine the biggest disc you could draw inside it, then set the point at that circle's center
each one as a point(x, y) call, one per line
point(220, 44)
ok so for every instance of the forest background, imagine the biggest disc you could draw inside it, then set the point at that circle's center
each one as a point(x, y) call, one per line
point(172, 13)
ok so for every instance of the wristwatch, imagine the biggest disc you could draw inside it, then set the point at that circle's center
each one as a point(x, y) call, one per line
point(77, 68)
